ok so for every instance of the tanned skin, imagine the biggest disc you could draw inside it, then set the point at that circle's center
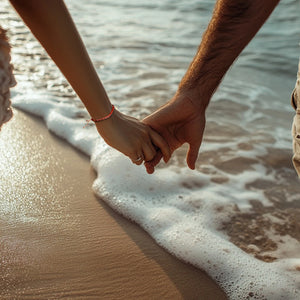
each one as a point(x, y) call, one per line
point(52, 25)
point(182, 120)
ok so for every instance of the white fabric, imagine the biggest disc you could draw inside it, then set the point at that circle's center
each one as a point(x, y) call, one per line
point(7, 79)
point(296, 124)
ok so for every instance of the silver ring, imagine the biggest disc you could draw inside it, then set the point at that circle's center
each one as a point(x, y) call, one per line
point(138, 159)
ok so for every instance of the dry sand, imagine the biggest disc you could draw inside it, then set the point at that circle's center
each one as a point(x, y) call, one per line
point(57, 240)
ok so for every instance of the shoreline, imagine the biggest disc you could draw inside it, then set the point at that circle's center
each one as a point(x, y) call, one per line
point(59, 240)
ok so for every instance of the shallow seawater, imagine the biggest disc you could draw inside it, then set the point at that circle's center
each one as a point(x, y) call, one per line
point(237, 215)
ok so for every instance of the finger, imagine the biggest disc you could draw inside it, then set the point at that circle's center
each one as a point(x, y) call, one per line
point(149, 151)
point(192, 155)
point(138, 160)
point(150, 165)
point(158, 141)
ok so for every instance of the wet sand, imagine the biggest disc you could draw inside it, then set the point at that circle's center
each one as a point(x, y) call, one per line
point(57, 240)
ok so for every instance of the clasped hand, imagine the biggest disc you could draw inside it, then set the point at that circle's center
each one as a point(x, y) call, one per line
point(158, 135)
point(133, 138)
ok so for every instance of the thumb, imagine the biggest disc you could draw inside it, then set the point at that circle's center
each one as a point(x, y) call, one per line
point(192, 155)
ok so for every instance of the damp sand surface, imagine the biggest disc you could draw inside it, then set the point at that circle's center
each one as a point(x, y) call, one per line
point(58, 240)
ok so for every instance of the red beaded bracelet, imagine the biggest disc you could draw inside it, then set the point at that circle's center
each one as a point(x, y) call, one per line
point(103, 118)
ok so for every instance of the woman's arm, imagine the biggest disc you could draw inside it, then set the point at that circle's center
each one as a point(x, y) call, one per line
point(52, 25)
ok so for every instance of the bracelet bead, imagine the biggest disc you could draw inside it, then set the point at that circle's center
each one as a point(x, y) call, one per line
point(95, 120)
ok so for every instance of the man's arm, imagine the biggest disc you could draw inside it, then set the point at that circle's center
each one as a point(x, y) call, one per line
point(233, 24)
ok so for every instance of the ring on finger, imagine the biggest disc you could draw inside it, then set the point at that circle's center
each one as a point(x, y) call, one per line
point(140, 158)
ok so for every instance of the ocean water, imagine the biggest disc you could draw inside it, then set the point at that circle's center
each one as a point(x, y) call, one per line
point(237, 215)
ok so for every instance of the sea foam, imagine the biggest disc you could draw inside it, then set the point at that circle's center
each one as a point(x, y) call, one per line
point(181, 209)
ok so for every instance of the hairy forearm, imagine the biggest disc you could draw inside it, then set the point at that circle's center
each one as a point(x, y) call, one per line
point(52, 25)
point(234, 23)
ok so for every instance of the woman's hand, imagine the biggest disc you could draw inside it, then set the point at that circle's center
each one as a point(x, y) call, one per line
point(133, 138)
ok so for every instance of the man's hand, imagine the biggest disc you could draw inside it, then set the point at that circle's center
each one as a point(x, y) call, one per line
point(182, 120)
point(179, 121)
